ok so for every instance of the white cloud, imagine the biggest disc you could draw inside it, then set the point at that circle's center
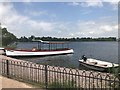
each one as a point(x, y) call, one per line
point(24, 26)
point(88, 3)
point(109, 28)
point(97, 29)
point(72, 35)
point(87, 29)
point(3, 26)
point(106, 17)
point(113, 3)
point(36, 13)
point(92, 3)
point(115, 27)
point(106, 28)
point(27, 0)
point(74, 3)
point(19, 24)
point(89, 23)
point(96, 3)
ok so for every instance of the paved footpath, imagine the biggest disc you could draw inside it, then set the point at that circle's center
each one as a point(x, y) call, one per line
point(10, 83)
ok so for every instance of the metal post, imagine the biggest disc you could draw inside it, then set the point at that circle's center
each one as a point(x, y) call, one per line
point(49, 46)
point(56, 46)
point(38, 45)
point(46, 79)
point(67, 45)
point(62, 46)
point(7, 67)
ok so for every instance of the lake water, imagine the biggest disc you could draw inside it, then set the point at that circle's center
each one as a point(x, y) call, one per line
point(106, 51)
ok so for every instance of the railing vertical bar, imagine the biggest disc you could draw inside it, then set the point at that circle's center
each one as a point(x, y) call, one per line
point(63, 77)
point(17, 70)
point(40, 73)
point(75, 79)
point(36, 73)
point(54, 77)
point(26, 71)
point(33, 72)
point(20, 70)
point(79, 80)
point(43, 74)
point(60, 77)
point(46, 77)
point(30, 72)
point(72, 79)
point(4, 65)
point(49, 77)
point(7, 67)
point(14, 69)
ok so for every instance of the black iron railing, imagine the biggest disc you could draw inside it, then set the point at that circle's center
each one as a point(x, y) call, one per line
point(58, 77)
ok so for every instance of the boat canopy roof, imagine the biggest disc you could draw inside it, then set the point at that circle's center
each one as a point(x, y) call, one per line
point(49, 42)
point(56, 42)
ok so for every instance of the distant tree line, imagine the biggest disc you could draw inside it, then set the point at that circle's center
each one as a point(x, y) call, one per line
point(8, 38)
point(27, 39)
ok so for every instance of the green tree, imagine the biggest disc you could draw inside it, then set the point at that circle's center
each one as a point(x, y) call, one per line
point(7, 37)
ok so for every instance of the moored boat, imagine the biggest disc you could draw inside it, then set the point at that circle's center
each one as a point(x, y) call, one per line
point(40, 51)
point(1, 48)
point(2, 51)
point(98, 64)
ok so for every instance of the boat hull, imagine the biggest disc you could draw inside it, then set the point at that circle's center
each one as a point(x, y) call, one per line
point(98, 65)
point(93, 67)
point(28, 53)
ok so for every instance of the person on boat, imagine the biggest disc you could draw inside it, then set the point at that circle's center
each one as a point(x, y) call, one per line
point(34, 49)
point(84, 58)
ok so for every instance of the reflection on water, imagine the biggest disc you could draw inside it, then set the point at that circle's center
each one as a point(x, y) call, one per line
point(58, 60)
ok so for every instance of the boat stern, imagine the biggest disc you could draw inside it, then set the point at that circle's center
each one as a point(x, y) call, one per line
point(2, 51)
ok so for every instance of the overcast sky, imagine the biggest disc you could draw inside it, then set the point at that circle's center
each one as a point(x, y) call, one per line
point(58, 19)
